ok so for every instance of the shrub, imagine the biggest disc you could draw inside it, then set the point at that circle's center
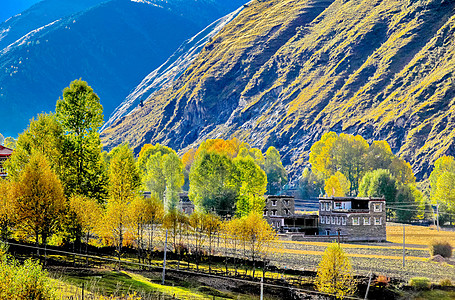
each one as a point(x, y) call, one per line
point(420, 283)
point(382, 281)
point(27, 281)
point(442, 248)
point(445, 282)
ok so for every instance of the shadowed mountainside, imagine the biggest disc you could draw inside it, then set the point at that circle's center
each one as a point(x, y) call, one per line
point(286, 71)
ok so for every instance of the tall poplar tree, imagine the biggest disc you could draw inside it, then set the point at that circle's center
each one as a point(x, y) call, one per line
point(81, 115)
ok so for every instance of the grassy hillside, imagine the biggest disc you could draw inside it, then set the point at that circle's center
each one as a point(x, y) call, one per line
point(286, 71)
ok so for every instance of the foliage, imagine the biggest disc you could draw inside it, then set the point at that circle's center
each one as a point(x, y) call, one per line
point(6, 210)
point(124, 185)
point(10, 142)
point(439, 247)
point(1, 139)
point(253, 185)
point(310, 184)
point(214, 183)
point(86, 213)
point(337, 185)
point(276, 174)
point(420, 283)
point(27, 281)
point(445, 282)
point(379, 183)
point(39, 202)
point(442, 181)
point(406, 199)
point(43, 136)
point(334, 275)
point(81, 115)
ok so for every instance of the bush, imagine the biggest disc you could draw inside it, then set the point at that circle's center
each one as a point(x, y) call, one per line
point(27, 281)
point(442, 248)
point(420, 283)
point(445, 282)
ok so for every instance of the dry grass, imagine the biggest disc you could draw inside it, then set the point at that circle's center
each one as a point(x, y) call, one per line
point(418, 235)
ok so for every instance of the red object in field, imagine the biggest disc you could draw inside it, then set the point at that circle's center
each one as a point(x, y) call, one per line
point(4, 154)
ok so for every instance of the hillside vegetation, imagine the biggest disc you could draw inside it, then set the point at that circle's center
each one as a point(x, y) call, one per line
point(286, 71)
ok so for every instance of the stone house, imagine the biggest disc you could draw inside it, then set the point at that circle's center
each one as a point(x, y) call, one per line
point(356, 219)
point(277, 208)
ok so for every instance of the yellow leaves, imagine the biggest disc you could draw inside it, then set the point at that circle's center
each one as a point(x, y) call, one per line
point(337, 185)
point(334, 274)
point(86, 210)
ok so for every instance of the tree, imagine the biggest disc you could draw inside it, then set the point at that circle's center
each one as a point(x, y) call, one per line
point(39, 202)
point(310, 184)
point(81, 115)
point(379, 183)
point(87, 213)
point(334, 275)
point(379, 156)
point(6, 210)
point(173, 174)
point(253, 185)
point(402, 171)
point(258, 235)
point(1, 139)
point(214, 183)
point(321, 158)
point(349, 155)
point(124, 185)
point(276, 174)
point(44, 136)
point(444, 194)
point(9, 142)
point(337, 185)
point(408, 206)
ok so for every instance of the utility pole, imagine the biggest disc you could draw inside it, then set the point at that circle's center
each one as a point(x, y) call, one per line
point(437, 216)
point(368, 286)
point(164, 262)
point(262, 287)
point(404, 245)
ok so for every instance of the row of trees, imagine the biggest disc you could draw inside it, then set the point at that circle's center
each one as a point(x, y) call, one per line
point(61, 183)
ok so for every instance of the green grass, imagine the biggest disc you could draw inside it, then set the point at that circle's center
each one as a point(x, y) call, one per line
point(435, 295)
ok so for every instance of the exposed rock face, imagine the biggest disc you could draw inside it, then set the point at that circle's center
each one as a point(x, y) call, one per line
point(285, 71)
point(164, 75)
point(110, 44)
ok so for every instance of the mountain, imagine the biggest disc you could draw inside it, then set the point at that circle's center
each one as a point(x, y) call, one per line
point(165, 74)
point(13, 7)
point(285, 71)
point(112, 45)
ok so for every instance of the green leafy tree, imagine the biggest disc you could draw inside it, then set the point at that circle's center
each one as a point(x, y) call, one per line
point(379, 156)
point(214, 184)
point(276, 174)
point(44, 136)
point(81, 115)
point(442, 180)
point(253, 185)
point(124, 186)
point(39, 202)
point(407, 206)
point(334, 275)
point(310, 184)
point(379, 183)
point(349, 155)
point(173, 174)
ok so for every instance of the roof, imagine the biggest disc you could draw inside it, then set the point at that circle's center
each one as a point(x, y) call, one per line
point(352, 198)
point(5, 152)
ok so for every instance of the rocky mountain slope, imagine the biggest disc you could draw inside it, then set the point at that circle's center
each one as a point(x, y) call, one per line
point(174, 66)
point(111, 44)
point(286, 71)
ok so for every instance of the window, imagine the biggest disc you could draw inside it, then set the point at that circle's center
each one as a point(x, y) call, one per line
point(343, 220)
point(327, 206)
point(377, 221)
point(337, 205)
point(273, 202)
point(286, 212)
point(331, 220)
point(286, 202)
point(322, 220)
point(377, 207)
point(265, 212)
point(338, 220)
point(355, 220)
point(366, 221)
point(273, 212)
point(327, 220)
point(322, 206)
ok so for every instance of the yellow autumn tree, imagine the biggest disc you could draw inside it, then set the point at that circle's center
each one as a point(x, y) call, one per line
point(87, 212)
point(6, 210)
point(258, 236)
point(39, 202)
point(334, 275)
point(337, 185)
